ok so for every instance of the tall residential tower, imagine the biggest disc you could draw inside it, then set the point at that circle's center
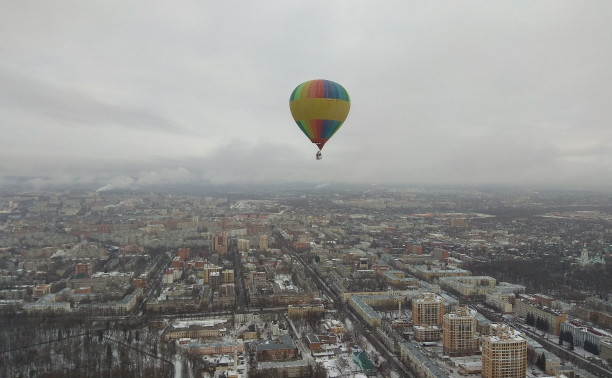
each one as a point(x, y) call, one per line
point(460, 332)
point(504, 353)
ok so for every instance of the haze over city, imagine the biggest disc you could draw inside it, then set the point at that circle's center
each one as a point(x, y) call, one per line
point(119, 95)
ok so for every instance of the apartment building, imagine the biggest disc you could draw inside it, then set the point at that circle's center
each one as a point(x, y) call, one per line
point(428, 310)
point(460, 332)
point(551, 317)
point(504, 353)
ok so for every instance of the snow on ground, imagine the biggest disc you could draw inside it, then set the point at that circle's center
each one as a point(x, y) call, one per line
point(333, 370)
point(284, 282)
point(348, 325)
point(243, 328)
point(373, 354)
point(343, 366)
point(178, 372)
point(202, 323)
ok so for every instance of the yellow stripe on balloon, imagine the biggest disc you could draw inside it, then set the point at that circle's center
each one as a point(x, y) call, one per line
point(319, 108)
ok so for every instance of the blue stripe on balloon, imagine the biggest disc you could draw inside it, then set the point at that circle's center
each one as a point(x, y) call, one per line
point(329, 127)
point(333, 90)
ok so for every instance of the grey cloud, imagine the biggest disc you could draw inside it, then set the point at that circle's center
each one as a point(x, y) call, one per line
point(62, 105)
point(442, 92)
point(148, 179)
point(238, 163)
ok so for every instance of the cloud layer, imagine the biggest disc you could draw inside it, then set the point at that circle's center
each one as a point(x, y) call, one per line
point(132, 95)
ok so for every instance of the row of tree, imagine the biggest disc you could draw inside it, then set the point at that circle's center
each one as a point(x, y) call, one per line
point(541, 362)
point(568, 337)
point(539, 323)
point(591, 347)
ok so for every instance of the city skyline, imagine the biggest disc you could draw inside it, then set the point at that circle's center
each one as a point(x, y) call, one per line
point(385, 282)
point(131, 96)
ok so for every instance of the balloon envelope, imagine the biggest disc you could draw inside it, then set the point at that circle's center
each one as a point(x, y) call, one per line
point(319, 107)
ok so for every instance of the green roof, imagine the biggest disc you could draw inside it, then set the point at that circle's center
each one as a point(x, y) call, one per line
point(362, 359)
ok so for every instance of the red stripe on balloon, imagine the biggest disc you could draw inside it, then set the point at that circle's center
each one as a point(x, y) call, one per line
point(316, 125)
point(316, 89)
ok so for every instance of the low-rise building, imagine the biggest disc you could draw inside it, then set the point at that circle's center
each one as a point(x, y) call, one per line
point(289, 369)
point(365, 364)
point(552, 318)
point(419, 363)
point(500, 302)
point(428, 272)
point(41, 290)
point(346, 296)
point(605, 350)
point(196, 329)
point(537, 351)
point(469, 287)
point(313, 341)
point(363, 305)
point(47, 304)
point(223, 347)
point(581, 334)
point(121, 307)
point(282, 349)
point(99, 282)
point(305, 310)
point(426, 332)
point(365, 311)
point(333, 326)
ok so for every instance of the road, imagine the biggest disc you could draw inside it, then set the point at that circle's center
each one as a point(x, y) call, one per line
point(558, 350)
point(241, 297)
point(393, 361)
point(161, 262)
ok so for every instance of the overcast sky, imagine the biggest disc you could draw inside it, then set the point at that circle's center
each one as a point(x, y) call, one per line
point(133, 93)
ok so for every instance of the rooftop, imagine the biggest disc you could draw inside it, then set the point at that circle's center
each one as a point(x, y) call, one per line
point(283, 342)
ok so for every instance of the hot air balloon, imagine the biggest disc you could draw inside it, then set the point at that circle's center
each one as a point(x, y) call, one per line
point(319, 107)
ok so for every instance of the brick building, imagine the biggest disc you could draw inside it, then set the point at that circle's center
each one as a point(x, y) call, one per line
point(282, 349)
point(83, 268)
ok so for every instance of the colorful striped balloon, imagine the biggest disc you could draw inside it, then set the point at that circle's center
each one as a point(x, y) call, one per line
point(319, 107)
